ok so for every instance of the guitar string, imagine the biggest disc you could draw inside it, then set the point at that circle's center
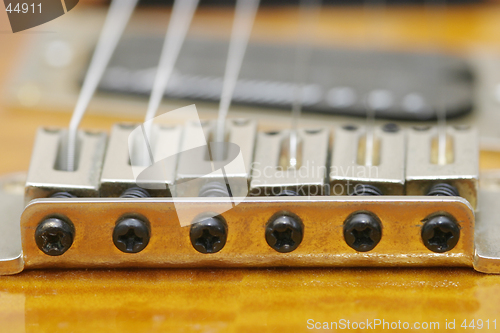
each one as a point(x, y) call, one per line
point(118, 15)
point(373, 100)
point(436, 9)
point(309, 12)
point(178, 26)
point(244, 18)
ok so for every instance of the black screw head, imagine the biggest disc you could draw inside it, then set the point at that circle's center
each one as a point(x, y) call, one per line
point(440, 234)
point(209, 235)
point(362, 232)
point(131, 235)
point(284, 233)
point(54, 236)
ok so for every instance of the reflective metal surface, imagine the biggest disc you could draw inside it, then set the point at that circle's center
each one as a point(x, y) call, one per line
point(197, 168)
point(11, 207)
point(272, 175)
point(487, 232)
point(348, 169)
point(461, 170)
point(117, 174)
point(322, 245)
point(46, 174)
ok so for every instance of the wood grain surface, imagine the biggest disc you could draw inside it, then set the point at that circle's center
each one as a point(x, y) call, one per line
point(243, 300)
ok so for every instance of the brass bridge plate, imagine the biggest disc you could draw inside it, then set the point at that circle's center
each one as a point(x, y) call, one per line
point(322, 245)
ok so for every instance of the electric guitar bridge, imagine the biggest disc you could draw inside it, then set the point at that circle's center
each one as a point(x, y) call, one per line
point(248, 207)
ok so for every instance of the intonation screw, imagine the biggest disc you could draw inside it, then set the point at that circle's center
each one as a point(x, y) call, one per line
point(444, 190)
point(288, 193)
point(362, 231)
point(62, 195)
point(209, 235)
point(284, 232)
point(131, 235)
point(135, 193)
point(54, 236)
point(214, 190)
point(366, 190)
point(440, 233)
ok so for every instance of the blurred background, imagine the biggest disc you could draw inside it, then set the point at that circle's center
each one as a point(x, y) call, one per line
point(410, 59)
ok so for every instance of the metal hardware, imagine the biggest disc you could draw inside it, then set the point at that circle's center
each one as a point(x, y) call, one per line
point(135, 192)
point(322, 245)
point(461, 170)
point(131, 235)
point(284, 232)
point(118, 175)
point(196, 166)
point(46, 174)
point(214, 189)
point(443, 189)
point(362, 231)
point(487, 229)
point(54, 236)
point(348, 170)
point(363, 189)
point(209, 235)
point(391, 128)
point(62, 195)
point(271, 174)
point(11, 207)
point(288, 193)
point(440, 233)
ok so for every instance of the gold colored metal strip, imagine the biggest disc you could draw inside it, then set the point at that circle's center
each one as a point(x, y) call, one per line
point(323, 244)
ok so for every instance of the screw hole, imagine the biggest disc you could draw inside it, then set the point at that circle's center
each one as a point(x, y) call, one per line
point(390, 128)
point(241, 122)
point(127, 126)
point(421, 128)
point(92, 133)
point(350, 127)
point(461, 127)
point(51, 130)
point(314, 131)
